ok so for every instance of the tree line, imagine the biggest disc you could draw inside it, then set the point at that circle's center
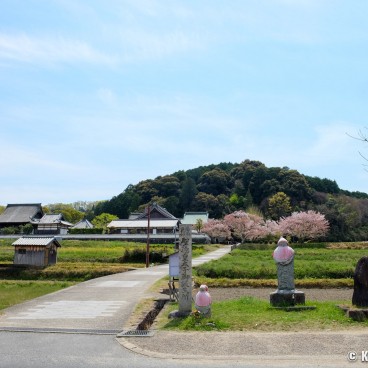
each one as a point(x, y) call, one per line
point(221, 189)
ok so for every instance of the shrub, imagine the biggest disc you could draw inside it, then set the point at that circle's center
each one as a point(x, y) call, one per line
point(9, 230)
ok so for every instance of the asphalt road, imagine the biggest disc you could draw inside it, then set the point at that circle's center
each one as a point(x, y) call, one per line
point(55, 350)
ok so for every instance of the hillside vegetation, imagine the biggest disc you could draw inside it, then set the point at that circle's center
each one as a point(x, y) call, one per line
point(226, 187)
point(221, 189)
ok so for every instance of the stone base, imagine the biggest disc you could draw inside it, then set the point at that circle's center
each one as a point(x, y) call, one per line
point(284, 299)
point(296, 308)
point(178, 314)
point(356, 314)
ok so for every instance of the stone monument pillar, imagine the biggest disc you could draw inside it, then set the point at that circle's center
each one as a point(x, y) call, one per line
point(185, 270)
point(285, 295)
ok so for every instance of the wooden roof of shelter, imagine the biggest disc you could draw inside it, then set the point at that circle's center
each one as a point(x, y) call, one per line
point(21, 213)
point(33, 241)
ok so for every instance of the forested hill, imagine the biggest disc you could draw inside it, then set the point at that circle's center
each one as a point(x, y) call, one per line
point(226, 187)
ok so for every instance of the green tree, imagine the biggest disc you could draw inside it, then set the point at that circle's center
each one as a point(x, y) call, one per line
point(187, 194)
point(146, 190)
point(279, 206)
point(295, 186)
point(214, 182)
point(209, 203)
point(69, 213)
point(172, 205)
point(236, 201)
point(121, 205)
point(199, 225)
point(167, 186)
point(101, 221)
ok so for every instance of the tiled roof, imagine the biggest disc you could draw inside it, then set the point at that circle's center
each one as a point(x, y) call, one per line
point(191, 218)
point(154, 223)
point(83, 224)
point(156, 208)
point(51, 218)
point(21, 213)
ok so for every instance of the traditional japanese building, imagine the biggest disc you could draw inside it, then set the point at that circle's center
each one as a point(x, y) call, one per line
point(83, 224)
point(52, 224)
point(20, 214)
point(160, 222)
point(191, 218)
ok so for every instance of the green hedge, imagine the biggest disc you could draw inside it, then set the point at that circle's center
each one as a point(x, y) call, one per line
point(86, 231)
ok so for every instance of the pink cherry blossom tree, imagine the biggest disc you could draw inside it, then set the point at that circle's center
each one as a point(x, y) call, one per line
point(304, 226)
point(244, 226)
point(270, 231)
point(217, 230)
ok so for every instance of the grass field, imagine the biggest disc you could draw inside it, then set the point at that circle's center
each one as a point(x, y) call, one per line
point(14, 292)
point(77, 261)
point(310, 263)
point(320, 265)
point(251, 314)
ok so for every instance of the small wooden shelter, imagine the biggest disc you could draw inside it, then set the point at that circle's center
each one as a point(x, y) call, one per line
point(36, 252)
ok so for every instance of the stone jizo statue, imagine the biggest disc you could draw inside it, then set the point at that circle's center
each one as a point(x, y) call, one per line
point(285, 295)
point(203, 301)
point(284, 258)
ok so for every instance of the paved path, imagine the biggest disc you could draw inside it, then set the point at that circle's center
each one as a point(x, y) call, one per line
point(100, 305)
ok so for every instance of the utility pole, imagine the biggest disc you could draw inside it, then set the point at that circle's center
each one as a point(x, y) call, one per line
point(148, 236)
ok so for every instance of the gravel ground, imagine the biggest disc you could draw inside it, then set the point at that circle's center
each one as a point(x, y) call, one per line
point(218, 294)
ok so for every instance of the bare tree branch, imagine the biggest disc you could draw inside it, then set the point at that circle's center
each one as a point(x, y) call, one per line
point(363, 138)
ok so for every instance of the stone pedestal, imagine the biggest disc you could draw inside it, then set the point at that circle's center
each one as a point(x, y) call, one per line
point(284, 299)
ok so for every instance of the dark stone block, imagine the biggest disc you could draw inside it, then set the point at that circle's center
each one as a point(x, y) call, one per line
point(357, 315)
point(278, 299)
point(360, 294)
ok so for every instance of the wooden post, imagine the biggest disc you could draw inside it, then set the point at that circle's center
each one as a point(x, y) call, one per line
point(148, 236)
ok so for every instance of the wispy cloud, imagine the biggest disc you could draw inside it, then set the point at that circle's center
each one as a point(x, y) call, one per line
point(49, 50)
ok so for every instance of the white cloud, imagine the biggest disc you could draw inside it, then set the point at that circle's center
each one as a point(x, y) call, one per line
point(107, 96)
point(331, 144)
point(49, 50)
point(143, 44)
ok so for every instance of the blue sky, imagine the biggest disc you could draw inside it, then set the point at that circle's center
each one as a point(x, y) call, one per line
point(97, 95)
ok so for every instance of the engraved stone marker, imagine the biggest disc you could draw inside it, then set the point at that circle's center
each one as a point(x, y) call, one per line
point(185, 270)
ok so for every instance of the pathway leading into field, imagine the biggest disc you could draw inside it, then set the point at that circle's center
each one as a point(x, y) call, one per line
point(100, 305)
